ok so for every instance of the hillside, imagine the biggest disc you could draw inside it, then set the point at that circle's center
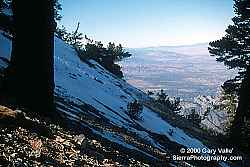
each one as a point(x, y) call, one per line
point(94, 102)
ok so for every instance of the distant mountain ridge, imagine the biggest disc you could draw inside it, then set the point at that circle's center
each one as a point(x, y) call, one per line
point(193, 49)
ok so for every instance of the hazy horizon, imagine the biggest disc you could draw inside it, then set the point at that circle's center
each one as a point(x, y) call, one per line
point(180, 45)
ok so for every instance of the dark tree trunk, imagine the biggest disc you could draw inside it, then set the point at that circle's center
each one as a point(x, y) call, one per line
point(30, 77)
point(240, 131)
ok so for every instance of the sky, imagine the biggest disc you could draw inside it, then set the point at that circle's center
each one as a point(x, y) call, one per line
point(144, 23)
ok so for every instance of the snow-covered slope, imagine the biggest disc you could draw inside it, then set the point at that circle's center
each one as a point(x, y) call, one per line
point(95, 86)
point(91, 97)
point(212, 118)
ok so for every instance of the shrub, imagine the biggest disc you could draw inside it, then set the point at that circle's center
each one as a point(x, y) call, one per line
point(194, 117)
point(163, 99)
point(135, 109)
point(107, 57)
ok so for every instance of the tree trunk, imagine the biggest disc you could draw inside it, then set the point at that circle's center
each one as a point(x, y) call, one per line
point(240, 132)
point(30, 77)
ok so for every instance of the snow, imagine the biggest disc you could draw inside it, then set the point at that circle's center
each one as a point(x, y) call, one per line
point(154, 123)
point(85, 86)
point(80, 82)
point(215, 119)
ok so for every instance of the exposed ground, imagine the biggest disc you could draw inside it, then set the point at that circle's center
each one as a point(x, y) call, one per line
point(27, 141)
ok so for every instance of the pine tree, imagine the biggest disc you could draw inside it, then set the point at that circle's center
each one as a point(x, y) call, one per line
point(234, 48)
point(76, 38)
point(61, 33)
point(161, 97)
point(30, 76)
point(57, 8)
point(234, 51)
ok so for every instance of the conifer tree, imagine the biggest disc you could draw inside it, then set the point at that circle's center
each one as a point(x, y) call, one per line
point(234, 51)
point(30, 76)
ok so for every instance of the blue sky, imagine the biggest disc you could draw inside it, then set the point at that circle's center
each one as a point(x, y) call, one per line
point(142, 23)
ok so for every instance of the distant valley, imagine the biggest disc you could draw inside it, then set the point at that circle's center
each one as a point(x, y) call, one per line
point(184, 71)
